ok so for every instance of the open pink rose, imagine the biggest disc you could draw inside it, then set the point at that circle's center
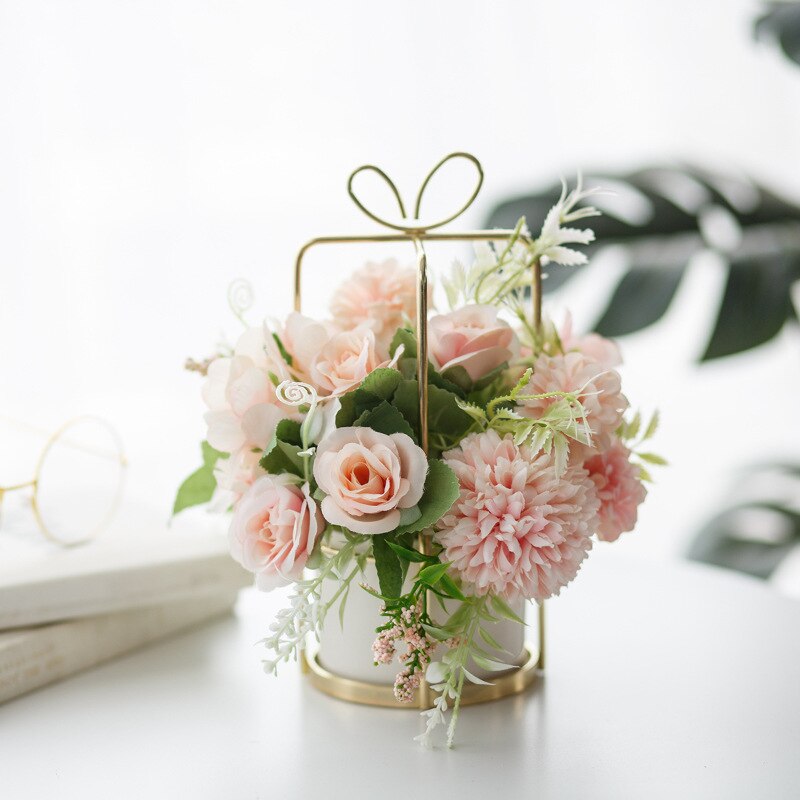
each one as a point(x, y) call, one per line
point(369, 478)
point(473, 338)
point(345, 361)
point(619, 490)
point(243, 408)
point(273, 531)
point(303, 338)
point(234, 475)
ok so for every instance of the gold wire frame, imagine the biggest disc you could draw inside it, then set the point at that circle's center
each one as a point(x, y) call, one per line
point(35, 482)
point(416, 232)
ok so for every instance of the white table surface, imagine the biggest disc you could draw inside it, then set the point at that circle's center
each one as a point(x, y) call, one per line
point(671, 681)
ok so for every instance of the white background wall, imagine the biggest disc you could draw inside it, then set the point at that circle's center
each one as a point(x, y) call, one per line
point(150, 152)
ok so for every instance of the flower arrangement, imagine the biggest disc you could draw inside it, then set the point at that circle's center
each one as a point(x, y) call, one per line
point(313, 442)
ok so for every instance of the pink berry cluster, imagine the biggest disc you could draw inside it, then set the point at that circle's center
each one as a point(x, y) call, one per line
point(405, 626)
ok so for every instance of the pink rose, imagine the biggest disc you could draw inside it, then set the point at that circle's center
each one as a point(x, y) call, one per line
point(382, 296)
point(344, 362)
point(471, 337)
point(303, 338)
point(273, 531)
point(619, 489)
point(369, 478)
point(234, 475)
point(243, 409)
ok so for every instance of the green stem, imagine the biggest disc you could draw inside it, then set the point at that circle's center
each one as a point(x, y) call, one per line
point(501, 259)
point(345, 583)
point(465, 647)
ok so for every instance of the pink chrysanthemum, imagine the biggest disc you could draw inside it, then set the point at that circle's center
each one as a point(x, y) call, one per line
point(382, 296)
point(517, 529)
point(619, 490)
point(596, 386)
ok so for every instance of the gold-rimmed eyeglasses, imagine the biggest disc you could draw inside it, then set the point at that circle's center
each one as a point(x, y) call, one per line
point(78, 480)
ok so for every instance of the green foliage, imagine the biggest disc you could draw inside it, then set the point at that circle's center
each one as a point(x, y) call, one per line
point(410, 555)
point(389, 402)
point(630, 431)
point(657, 250)
point(378, 386)
point(285, 354)
point(388, 566)
point(283, 453)
point(459, 377)
point(502, 609)
point(441, 491)
point(406, 338)
point(385, 418)
point(199, 487)
point(432, 574)
point(408, 369)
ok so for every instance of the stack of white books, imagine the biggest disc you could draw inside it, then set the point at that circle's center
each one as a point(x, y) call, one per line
point(65, 610)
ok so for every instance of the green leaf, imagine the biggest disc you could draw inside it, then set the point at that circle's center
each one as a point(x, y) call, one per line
point(408, 369)
point(287, 430)
point(388, 567)
point(432, 574)
point(755, 305)
point(460, 377)
point(475, 679)
point(459, 617)
point(449, 586)
point(640, 299)
point(490, 640)
point(502, 608)
point(409, 555)
point(407, 338)
point(380, 383)
point(489, 664)
point(632, 428)
point(440, 492)
point(652, 427)
point(199, 487)
point(652, 458)
point(445, 419)
point(377, 386)
point(385, 418)
point(494, 379)
point(282, 453)
point(285, 354)
point(375, 594)
point(440, 634)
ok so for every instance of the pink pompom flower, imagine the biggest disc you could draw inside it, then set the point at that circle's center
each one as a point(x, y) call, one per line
point(274, 529)
point(517, 529)
point(619, 490)
point(382, 296)
point(605, 351)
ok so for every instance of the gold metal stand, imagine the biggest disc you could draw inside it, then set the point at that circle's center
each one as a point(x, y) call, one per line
point(416, 231)
point(377, 694)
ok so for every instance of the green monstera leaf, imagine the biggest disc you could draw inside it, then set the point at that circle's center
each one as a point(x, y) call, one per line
point(659, 219)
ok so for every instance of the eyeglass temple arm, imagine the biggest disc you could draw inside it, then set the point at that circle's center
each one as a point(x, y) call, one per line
point(4, 489)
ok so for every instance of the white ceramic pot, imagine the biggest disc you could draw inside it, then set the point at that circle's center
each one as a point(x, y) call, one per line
point(347, 651)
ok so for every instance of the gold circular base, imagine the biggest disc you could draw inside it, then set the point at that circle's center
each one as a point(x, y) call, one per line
point(375, 694)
